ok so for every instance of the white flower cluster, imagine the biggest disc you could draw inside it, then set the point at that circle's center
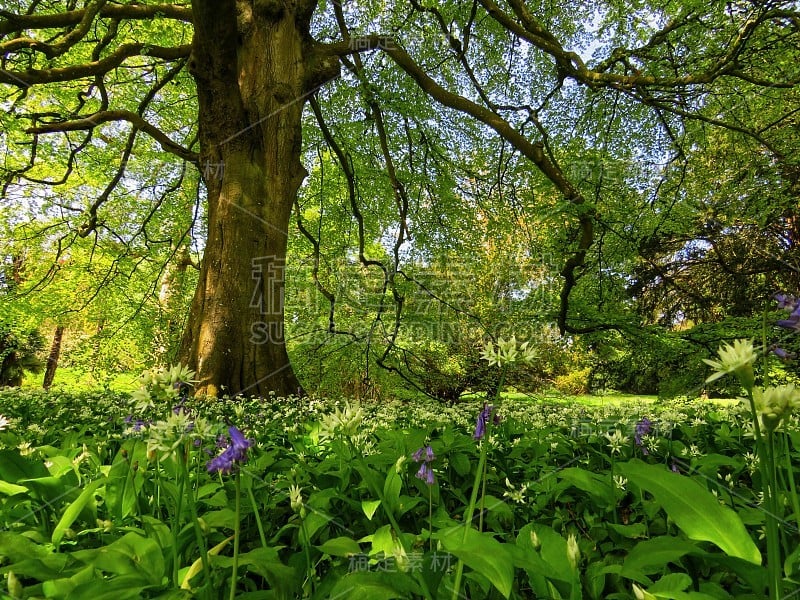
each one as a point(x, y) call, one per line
point(508, 352)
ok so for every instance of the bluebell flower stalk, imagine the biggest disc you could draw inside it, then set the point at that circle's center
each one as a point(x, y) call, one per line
point(425, 456)
point(235, 453)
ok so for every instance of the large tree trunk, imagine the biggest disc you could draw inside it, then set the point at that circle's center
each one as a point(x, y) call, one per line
point(254, 64)
point(52, 357)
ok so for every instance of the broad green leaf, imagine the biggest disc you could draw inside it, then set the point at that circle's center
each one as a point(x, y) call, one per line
point(14, 466)
point(73, 510)
point(266, 562)
point(11, 489)
point(121, 489)
point(225, 518)
point(597, 486)
point(50, 489)
point(391, 491)
point(30, 559)
point(636, 530)
point(546, 563)
point(61, 588)
point(340, 546)
point(126, 587)
point(367, 585)
point(672, 582)
point(482, 553)
point(460, 463)
point(650, 556)
point(132, 554)
point(693, 509)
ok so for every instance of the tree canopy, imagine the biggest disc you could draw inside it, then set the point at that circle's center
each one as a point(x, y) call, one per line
point(639, 158)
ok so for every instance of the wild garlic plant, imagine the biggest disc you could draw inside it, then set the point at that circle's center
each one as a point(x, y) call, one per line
point(770, 407)
point(505, 355)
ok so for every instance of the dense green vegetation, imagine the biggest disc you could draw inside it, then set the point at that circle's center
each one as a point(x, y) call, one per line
point(131, 495)
point(368, 299)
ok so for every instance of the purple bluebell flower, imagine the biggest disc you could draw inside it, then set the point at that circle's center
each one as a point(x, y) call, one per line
point(786, 301)
point(781, 353)
point(793, 322)
point(425, 473)
point(483, 419)
point(674, 466)
point(642, 429)
point(425, 456)
point(236, 452)
point(792, 304)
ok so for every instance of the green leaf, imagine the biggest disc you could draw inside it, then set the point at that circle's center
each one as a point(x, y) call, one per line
point(14, 467)
point(672, 582)
point(636, 530)
point(460, 463)
point(127, 587)
point(367, 585)
point(695, 511)
point(49, 489)
point(74, 509)
point(391, 491)
point(132, 554)
point(597, 486)
point(266, 562)
point(61, 588)
point(650, 556)
point(29, 559)
point(482, 553)
point(11, 489)
point(369, 507)
point(340, 546)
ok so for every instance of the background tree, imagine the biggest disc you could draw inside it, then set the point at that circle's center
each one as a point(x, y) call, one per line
point(524, 88)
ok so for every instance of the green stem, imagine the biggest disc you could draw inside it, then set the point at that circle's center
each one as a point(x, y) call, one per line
point(237, 531)
point(305, 539)
point(476, 485)
point(198, 533)
point(482, 507)
point(613, 488)
point(773, 541)
point(259, 524)
point(430, 517)
point(792, 486)
point(176, 526)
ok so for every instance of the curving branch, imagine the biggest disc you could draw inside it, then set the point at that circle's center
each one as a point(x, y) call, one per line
point(527, 27)
point(11, 22)
point(90, 122)
point(534, 151)
point(31, 77)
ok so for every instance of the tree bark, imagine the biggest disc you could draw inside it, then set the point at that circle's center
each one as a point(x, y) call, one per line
point(254, 64)
point(52, 358)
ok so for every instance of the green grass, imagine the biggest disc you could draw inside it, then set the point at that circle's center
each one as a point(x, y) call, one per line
point(553, 397)
point(79, 380)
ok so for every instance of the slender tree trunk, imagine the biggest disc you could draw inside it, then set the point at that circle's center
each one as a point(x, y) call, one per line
point(52, 358)
point(254, 64)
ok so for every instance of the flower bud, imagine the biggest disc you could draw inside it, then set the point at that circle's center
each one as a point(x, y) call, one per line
point(573, 551)
point(537, 544)
point(14, 586)
point(641, 594)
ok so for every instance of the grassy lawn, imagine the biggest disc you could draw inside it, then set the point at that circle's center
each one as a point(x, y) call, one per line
point(70, 378)
point(553, 397)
